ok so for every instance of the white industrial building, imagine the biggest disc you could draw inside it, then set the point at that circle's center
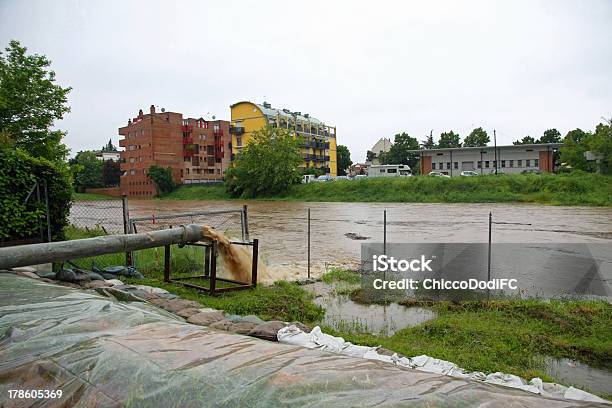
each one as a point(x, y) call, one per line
point(509, 159)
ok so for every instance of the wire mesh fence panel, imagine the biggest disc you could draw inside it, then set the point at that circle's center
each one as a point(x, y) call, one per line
point(188, 260)
point(95, 218)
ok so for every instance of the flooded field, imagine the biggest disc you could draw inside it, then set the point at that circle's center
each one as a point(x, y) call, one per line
point(338, 229)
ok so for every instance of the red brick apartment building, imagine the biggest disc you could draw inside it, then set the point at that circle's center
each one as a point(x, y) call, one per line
point(195, 150)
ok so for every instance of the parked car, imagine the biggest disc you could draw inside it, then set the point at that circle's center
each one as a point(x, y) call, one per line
point(308, 178)
point(340, 178)
point(468, 173)
point(322, 179)
point(532, 171)
point(438, 174)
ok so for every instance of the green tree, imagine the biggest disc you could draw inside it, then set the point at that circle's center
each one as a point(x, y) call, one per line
point(399, 151)
point(109, 147)
point(429, 143)
point(162, 178)
point(86, 171)
point(525, 140)
point(370, 155)
point(478, 137)
point(111, 173)
point(601, 143)
point(30, 102)
point(267, 165)
point(449, 140)
point(575, 145)
point(550, 136)
point(343, 159)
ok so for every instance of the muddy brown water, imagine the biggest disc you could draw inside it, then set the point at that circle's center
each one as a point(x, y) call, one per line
point(338, 229)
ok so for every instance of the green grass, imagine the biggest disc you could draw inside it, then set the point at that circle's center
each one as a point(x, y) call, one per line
point(559, 189)
point(282, 301)
point(341, 275)
point(509, 336)
point(92, 197)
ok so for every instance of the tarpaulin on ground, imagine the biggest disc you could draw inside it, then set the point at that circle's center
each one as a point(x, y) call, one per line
point(103, 353)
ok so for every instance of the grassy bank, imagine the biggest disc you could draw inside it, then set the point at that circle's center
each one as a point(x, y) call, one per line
point(560, 189)
point(509, 336)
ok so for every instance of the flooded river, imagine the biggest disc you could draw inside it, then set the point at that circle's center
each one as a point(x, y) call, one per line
point(282, 226)
point(338, 229)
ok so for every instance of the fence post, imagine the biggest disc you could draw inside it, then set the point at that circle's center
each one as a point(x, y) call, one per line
point(255, 262)
point(246, 223)
point(46, 190)
point(385, 232)
point(213, 267)
point(489, 261)
point(166, 263)
point(127, 227)
point(309, 243)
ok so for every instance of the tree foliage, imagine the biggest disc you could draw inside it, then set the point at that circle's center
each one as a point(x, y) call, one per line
point(18, 173)
point(525, 140)
point(577, 142)
point(267, 165)
point(86, 171)
point(30, 101)
point(399, 151)
point(111, 173)
point(343, 159)
point(478, 137)
point(550, 136)
point(429, 142)
point(162, 178)
point(449, 140)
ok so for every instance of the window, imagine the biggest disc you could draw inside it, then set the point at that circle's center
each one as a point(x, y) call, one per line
point(511, 163)
point(479, 165)
point(238, 141)
point(440, 166)
point(536, 163)
point(132, 160)
point(383, 170)
point(503, 163)
point(133, 172)
point(210, 150)
point(486, 164)
point(448, 164)
point(439, 154)
point(519, 163)
point(392, 171)
point(527, 163)
point(433, 166)
point(456, 165)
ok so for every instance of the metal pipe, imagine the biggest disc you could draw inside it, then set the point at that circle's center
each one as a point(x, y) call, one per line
point(25, 255)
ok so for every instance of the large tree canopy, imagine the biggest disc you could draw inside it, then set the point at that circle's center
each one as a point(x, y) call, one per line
point(30, 102)
point(343, 159)
point(448, 140)
point(399, 152)
point(478, 137)
point(550, 136)
point(525, 140)
point(267, 165)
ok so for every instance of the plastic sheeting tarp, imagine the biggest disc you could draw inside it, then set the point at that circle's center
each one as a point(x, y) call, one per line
point(316, 339)
point(103, 353)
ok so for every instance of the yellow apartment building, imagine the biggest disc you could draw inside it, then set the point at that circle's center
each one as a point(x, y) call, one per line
point(317, 140)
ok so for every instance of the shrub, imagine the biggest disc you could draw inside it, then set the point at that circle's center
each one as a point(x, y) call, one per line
point(18, 173)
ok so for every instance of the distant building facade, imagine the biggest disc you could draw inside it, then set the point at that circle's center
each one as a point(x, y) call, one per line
point(104, 155)
point(195, 150)
point(382, 146)
point(510, 159)
point(317, 140)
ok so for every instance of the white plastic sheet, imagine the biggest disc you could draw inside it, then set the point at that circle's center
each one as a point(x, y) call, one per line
point(316, 339)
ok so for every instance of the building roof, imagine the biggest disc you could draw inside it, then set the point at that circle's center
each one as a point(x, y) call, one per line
point(272, 113)
point(486, 147)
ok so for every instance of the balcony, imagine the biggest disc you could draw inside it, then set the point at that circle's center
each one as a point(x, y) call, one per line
point(236, 130)
point(187, 140)
point(122, 143)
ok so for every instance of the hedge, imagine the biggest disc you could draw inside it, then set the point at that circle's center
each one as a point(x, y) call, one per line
point(18, 172)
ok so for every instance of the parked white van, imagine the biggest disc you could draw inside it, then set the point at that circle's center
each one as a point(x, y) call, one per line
point(389, 170)
point(308, 178)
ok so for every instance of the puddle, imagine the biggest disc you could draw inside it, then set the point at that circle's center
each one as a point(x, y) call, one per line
point(580, 375)
point(343, 314)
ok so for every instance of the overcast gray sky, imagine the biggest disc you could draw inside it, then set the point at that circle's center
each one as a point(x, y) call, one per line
point(371, 68)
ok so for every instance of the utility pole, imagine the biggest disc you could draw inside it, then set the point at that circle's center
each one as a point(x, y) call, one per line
point(495, 143)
